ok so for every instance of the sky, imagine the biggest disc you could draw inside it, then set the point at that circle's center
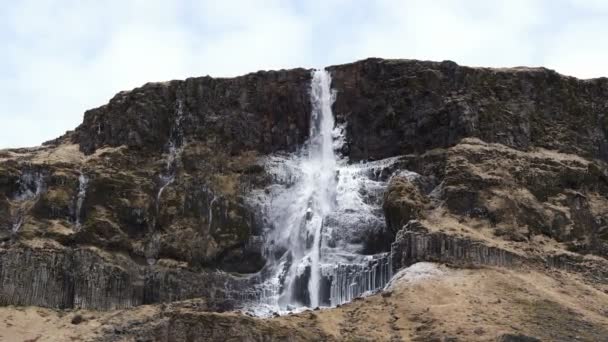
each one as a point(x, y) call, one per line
point(61, 57)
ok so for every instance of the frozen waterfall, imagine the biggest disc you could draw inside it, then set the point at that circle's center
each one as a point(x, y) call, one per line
point(318, 213)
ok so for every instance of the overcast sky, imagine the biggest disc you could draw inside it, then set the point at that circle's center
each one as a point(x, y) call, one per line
point(62, 57)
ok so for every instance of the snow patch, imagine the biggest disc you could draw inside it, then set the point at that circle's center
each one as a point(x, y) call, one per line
point(415, 273)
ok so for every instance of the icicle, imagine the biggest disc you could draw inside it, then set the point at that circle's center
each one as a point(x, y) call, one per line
point(349, 281)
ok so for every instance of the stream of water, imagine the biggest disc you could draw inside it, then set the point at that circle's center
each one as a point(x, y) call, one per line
point(318, 213)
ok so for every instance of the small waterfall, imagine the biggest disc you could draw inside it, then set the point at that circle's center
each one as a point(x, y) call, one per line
point(152, 248)
point(30, 187)
point(166, 177)
point(164, 181)
point(83, 182)
point(211, 203)
point(174, 147)
point(18, 222)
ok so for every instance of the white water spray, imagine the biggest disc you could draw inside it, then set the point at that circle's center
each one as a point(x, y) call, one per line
point(211, 203)
point(83, 183)
point(31, 185)
point(319, 211)
point(298, 214)
point(18, 223)
point(320, 172)
point(174, 147)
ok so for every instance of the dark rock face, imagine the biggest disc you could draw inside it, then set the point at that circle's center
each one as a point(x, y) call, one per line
point(91, 279)
point(264, 111)
point(394, 107)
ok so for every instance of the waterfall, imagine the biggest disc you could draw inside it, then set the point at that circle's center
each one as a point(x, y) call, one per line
point(18, 222)
point(313, 197)
point(320, 173)
point(30, 187)
point(174, 147)
point(166, 177)
point(211, 203)
point(83, 182)
point(317, 214)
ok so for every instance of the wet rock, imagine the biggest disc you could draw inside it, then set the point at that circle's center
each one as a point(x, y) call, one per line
point(242, 260)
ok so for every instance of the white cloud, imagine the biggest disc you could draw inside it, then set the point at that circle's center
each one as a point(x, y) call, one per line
point(468, 32)
point(61, 57)
point(580, 50)
point(66, 57)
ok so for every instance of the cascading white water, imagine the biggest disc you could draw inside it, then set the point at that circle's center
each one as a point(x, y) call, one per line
point(318, 214)
point(300, 212)
point(31, 185)
point(18, 223)
point(211, 203)
point(83, 182)
point(320, 173)
point(174, 147)
point(167, 176)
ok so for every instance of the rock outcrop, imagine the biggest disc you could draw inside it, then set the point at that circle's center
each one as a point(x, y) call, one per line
point(264, 111)
point(510, 195)
point(145, 201)
point(415, 243)
point(405, 106)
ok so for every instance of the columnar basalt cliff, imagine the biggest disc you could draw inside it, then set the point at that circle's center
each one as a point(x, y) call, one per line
point(399, 107)
point(146, 201)
point(264, 112)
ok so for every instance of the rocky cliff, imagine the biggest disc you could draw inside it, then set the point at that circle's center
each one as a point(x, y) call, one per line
point(144, 202)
